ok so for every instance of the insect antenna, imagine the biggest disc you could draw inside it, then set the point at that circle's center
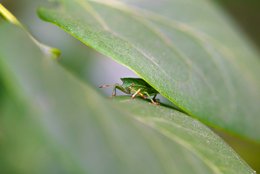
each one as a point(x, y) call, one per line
point(105, 86)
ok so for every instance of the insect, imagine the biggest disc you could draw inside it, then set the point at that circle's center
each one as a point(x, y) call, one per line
point(135, 87)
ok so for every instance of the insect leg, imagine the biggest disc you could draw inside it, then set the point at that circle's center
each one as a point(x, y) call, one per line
point(117, 86)
point(142, 95)
point(137, 92)
point(114, 89)
point(152, 99)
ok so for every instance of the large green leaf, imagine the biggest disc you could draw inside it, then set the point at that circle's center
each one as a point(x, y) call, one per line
point(90, 134)
point(189, 51)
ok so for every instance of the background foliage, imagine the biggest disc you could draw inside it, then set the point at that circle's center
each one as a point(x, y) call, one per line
point(70, 49)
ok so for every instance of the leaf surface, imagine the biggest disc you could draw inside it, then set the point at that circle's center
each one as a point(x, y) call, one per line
point(190, 52)
point(87, 133)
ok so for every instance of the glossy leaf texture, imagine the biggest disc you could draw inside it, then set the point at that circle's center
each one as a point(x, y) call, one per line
point(69, 128)
point(190, 52)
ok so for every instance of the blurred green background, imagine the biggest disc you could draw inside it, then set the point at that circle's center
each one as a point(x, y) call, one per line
point(246, 14)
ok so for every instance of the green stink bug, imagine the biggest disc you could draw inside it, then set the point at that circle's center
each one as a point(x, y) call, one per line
point(135, 86)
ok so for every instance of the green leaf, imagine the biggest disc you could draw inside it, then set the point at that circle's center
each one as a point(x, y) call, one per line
point(188, 51)
point(91, 134)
